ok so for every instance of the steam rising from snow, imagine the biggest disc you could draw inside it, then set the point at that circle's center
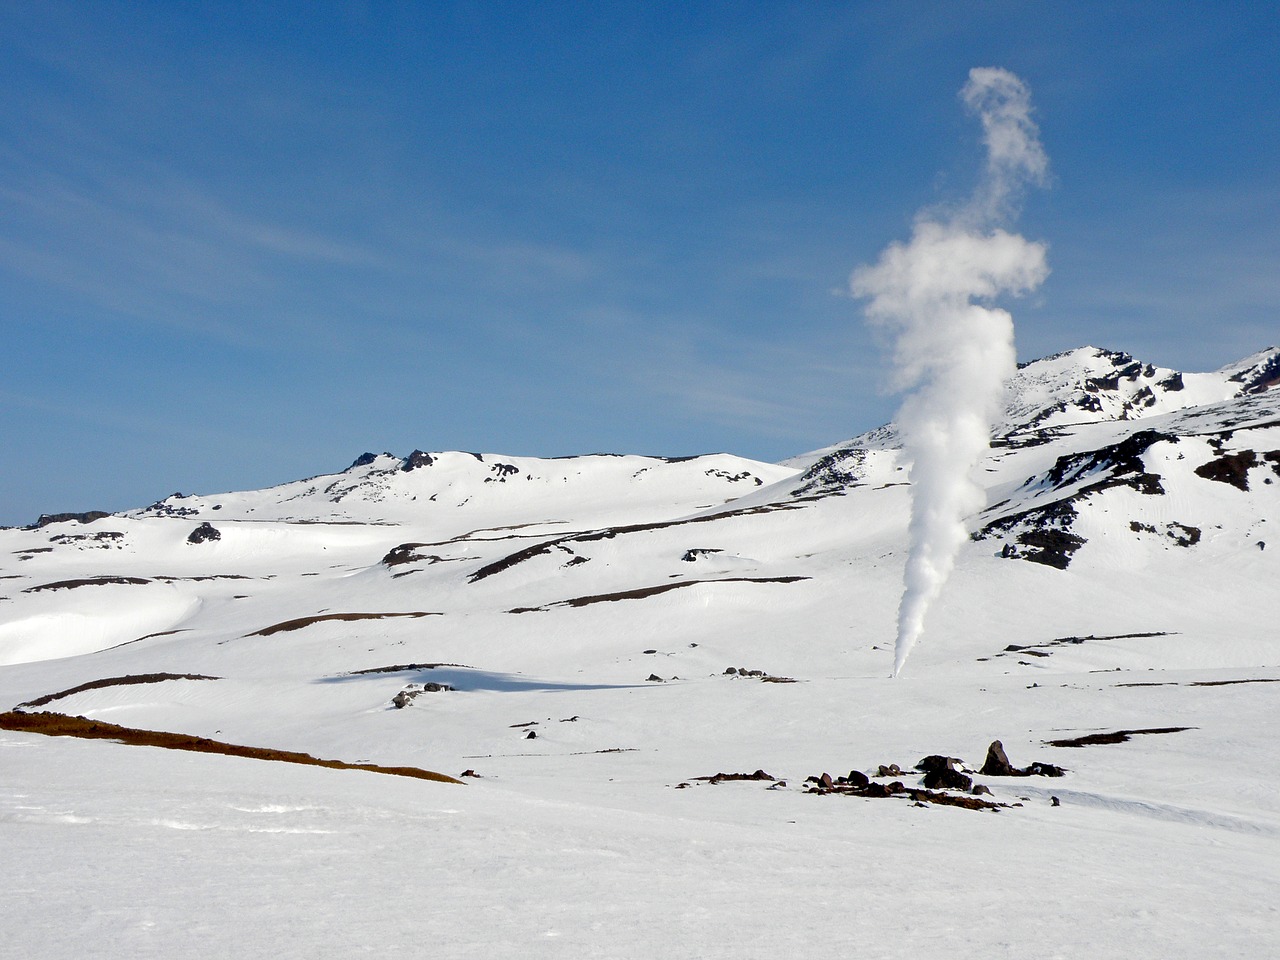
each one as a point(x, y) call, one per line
point(951, 354)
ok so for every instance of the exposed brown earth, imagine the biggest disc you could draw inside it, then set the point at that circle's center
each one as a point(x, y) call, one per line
point(114, 682)
point(1116, 736)
point(61, 725)
point(288, 625)
point(641, 592)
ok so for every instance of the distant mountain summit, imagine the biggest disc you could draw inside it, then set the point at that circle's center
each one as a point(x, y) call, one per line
point(1090, 384)
point(1096, 445)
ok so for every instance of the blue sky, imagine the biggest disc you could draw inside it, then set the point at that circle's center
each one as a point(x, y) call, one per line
point(244, 243)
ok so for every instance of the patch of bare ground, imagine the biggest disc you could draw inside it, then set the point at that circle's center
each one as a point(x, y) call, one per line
point(404, 668)
point(85, 582)
point(1115, 736)
point(723, 777)
point(208, 576)
point(113, 682)
point(297, 624)
point(1039, 649)
point(641, 592)
point(61, 725)
point(1200, 683)
point(608, 533)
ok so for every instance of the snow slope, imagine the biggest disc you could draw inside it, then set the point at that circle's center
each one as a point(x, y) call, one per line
point(1119, 580)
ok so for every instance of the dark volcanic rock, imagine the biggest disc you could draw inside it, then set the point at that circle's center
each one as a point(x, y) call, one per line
point(1050, 547)
point(1260, 377)
point(1045, 770)
point(87, 517)
point(943, 773)
point(947, 780)
point(692, 554)
point(997, 763)
point(404, 553)
point(1183, 535)
point(1232, 468)
point(206, 531)
point(417, 459)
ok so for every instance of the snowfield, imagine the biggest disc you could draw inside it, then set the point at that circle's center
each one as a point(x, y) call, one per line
point(592, 640)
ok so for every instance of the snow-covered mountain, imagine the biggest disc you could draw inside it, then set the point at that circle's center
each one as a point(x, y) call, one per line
point(601, 639)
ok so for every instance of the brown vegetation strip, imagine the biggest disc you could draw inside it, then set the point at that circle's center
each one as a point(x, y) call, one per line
point(1202, 683)
point(114, 682)
point(61, 725)
point(1117, 736)
point(86, 582)
point(642, 592)
point(300, 622)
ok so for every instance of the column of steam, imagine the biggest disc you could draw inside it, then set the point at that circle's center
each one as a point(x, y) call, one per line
point(952, 350)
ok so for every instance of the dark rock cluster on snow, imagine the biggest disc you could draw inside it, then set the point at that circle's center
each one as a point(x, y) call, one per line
point(833, 473)
point(943, 778)
point(755, 675)
point(695, 553)
point(415, 690)
point(203, 533)
point(997, 765)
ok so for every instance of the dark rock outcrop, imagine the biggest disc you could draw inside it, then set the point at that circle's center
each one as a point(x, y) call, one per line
point(203, 533)
point(943, 773)
point(997, 763)
point(415, 460)
point(86, 517)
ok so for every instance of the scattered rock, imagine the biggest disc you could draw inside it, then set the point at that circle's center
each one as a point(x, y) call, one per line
point(654, 678)
point(415, 690)
point(403, 699)
point(531, 735)
point(469, 773)
point(997, 765)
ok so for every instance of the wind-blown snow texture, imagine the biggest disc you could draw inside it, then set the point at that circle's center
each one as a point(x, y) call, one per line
point(1120, 580)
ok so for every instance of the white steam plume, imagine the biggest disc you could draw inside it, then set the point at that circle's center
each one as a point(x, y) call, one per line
point(952, 354)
